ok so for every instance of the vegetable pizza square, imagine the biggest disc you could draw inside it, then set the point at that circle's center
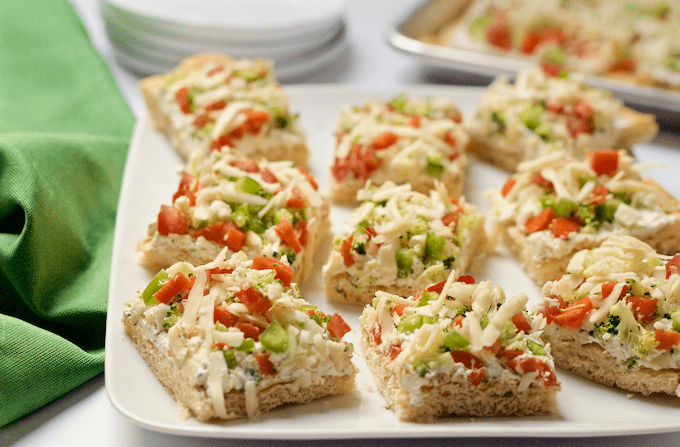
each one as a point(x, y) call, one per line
point(405, 140)
point(614, 316)
point(554, 207)
point(539, 114)
point(265, 208)
point(458, 348)
point(234, 337)
point(399, 241)
point(212, 101)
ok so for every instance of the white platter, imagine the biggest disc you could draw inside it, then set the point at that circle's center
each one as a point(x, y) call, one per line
point(585, 408)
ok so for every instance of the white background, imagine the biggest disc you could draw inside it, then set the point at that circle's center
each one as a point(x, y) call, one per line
point(85, 417)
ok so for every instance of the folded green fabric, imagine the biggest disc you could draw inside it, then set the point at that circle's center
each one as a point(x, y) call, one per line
point(64, 134)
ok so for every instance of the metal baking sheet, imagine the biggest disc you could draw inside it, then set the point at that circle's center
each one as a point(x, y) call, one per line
point(430, 16)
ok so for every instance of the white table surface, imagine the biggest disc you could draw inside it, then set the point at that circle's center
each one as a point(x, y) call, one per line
point(85, 417)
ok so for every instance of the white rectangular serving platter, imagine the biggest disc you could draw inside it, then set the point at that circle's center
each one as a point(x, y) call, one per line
point(585, 408)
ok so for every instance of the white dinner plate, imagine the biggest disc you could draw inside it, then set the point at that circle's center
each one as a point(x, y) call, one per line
point(180, 48)
point(585, 408)
point(232, 20)
point(145, 61)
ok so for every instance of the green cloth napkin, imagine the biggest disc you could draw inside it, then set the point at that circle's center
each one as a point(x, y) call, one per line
point(64, 134)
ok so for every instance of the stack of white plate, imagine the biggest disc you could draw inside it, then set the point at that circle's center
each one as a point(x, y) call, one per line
point(153, 36)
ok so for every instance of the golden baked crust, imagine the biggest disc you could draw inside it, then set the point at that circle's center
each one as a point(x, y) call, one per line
point(195, 399)
point(454, 363)
point(453, 395)
point(593, 362)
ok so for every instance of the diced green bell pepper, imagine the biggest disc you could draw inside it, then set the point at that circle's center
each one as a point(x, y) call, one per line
point(404, 260)
point(247, 345)
point(434, 247)
point(531, 116)
point(230, 358)
point(536, 348)
point(247, 185)
point(154, 286)
point(427, 296)
point(275, 338)
point(434, 167)
point(454, 341)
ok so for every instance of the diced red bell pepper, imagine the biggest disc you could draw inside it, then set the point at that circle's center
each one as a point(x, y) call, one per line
point(345, 251)
point(302, 233)
point(246, 165)
point(295, 200)
point(450, 139)
point(394, 352)
point(183, 101)
point(507, 186)
point(266, 366)
point(255, 119)
point(521, 323)
point(538, 179)
point(667, 339)
point(534, 364)
point(223, 316)
point(598, 195)
point(201, 120)
point(572, 317)
point(468, 360)
point(673, 266)
point(563, 227)
point(476, 377)
point(310, 178)
point(604, 161)
point(385, 140)
point(466, 279)
point(172, 221)
point(268, 176)
point(286, 232)
point(377, 332)
point(223, 233)
point(643, 308)
point(254, 300)
point(499, 35)
point(283, 272)
point(187, 187)
point(541, 221)
point(609, 286)
point(399, 308)
point(451, 218)
point(249, 330)
point(177, 284)
point(337, 327)
point(217, 105)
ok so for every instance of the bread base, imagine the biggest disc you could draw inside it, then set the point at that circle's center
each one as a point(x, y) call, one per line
point(592, 362)
point(450, 394)
point(274, 394)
